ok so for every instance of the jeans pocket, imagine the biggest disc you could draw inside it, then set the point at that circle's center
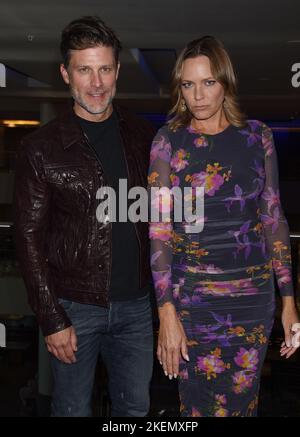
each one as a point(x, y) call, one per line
point(66, 304)
point(142, 298)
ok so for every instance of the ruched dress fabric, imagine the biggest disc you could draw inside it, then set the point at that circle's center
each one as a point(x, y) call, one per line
point(222, 279)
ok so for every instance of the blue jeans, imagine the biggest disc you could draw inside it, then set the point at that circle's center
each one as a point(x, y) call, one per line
point(122, 334)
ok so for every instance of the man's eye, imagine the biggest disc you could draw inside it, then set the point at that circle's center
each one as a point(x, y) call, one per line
point(83, 69)
point(106, 69)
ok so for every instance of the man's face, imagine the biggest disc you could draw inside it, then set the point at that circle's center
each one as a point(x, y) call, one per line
point(92, 75)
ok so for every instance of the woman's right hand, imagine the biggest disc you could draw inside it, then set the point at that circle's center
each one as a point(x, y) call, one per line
point(172, 340)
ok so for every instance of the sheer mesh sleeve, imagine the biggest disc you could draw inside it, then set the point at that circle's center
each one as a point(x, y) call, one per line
point(274, 222)
point(161, 229)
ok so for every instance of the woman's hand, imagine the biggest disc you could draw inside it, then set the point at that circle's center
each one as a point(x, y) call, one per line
point(289, 317)
point(171, 340)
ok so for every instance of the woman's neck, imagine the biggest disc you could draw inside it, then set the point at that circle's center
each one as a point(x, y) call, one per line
point(211, 126)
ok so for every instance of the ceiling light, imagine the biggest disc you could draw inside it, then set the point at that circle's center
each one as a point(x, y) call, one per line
point(16, 123)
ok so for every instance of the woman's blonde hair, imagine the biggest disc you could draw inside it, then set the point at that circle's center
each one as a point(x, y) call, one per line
point(222, 71)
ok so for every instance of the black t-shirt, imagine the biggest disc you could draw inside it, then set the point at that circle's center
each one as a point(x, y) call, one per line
point(106, 140)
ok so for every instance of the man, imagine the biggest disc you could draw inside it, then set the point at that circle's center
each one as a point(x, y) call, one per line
point(88, 281)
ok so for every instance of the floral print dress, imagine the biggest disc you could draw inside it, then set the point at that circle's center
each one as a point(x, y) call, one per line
point(221, 280)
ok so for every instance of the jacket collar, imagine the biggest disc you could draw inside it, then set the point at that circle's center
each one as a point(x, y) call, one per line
point(70, 129)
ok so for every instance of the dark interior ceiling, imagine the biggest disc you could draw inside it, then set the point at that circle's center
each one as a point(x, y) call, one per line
point(262, 37)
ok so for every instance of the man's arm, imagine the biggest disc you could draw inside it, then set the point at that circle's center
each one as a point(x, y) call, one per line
point(32, 200)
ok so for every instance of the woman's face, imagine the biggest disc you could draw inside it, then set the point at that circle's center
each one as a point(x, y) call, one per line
point(203, 95)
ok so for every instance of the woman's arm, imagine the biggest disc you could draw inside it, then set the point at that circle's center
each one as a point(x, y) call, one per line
point(171, 340)
point(278, 239)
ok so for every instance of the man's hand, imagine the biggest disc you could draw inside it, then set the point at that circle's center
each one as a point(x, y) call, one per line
point(63, 344)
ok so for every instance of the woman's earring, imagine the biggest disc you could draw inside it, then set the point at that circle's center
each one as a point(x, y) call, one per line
point(224, 103)
point(183, 106)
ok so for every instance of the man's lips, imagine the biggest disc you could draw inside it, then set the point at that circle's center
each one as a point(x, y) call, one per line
point(97, 95)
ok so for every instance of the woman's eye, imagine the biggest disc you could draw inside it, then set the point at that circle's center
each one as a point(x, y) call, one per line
point(210, 82)
point(186, 85)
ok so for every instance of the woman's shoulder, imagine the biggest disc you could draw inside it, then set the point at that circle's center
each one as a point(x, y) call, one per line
point(163, 130)
point(167, 132)
point(256, 125)
point(258, 132)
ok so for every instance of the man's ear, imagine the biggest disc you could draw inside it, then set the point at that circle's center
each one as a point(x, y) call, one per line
point(118, 68)
point(65, 74)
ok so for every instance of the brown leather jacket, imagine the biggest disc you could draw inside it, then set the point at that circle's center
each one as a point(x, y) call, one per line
point(62, 249)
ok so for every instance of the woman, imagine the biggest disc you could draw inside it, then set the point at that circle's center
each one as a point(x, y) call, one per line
point(215, 288)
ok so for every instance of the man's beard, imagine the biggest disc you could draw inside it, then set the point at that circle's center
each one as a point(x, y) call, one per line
point(86, 106)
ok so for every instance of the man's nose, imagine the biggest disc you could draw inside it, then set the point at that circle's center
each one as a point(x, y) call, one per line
point(96, 79)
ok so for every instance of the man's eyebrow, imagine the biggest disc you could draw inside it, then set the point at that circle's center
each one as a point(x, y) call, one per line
point(89, 65)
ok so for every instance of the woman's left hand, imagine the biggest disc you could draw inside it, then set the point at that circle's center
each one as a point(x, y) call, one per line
point(289, 317)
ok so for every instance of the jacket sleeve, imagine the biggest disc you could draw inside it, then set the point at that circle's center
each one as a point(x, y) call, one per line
point(161, 230)
point(32, 200)
point(274, 222)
